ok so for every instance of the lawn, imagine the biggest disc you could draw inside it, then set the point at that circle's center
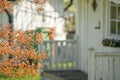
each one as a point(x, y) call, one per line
point(37, 77)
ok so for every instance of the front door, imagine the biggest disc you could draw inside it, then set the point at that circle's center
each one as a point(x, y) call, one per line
point(94, 27)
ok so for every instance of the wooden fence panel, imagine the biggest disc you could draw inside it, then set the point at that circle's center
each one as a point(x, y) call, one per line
point(61, 55)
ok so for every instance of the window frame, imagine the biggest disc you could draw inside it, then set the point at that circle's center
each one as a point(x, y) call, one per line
point(110, 34)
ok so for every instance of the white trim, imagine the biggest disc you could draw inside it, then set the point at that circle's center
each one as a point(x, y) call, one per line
point(108, 21)
point(81, 23)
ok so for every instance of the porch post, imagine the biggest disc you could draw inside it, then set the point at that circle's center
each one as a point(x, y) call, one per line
point(91, 68)
point(81, 32)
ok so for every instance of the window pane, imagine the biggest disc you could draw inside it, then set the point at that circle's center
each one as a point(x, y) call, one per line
point(113, 12)
point(118, 28)
point(118, 12)
point(113, 27)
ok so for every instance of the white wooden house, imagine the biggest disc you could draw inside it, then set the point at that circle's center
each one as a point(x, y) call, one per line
point(95, 20)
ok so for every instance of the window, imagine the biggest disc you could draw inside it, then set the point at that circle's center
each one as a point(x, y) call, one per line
point(114, 19)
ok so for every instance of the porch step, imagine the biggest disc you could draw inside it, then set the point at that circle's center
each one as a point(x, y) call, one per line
point(70, 75)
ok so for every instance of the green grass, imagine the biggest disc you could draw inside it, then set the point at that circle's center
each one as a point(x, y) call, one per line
point(37, 77)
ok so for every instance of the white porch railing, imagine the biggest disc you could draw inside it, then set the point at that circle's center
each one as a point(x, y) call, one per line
point(61, 55)
point(103, 66)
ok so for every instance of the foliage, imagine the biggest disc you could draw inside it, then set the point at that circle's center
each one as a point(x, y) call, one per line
point(72, 7)
point(69, 16)
point(48, 31)
point(4, 4)
point(18, 57)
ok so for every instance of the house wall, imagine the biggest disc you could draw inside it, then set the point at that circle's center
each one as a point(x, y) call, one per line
point(51, 16)
point(92, 27)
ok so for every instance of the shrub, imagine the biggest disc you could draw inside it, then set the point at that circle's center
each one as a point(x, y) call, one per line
point(17, 54)
point(18, 57)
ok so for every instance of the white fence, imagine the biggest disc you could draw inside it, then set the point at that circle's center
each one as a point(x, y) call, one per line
point(61, 55)
point(103, 66)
